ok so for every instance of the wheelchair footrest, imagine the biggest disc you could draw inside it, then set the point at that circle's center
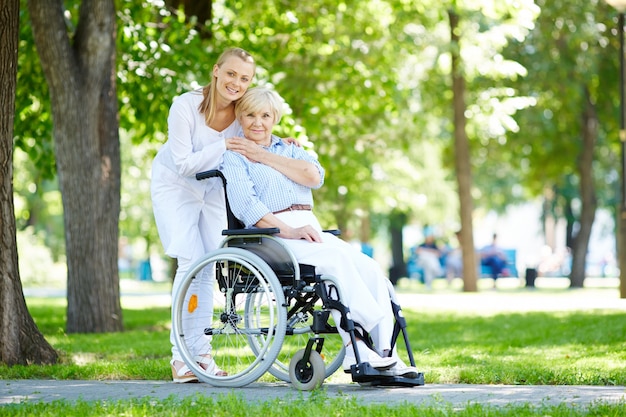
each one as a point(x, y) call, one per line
point(365, 374)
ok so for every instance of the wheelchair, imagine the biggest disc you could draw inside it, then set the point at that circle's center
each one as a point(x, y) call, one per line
point(257, 310)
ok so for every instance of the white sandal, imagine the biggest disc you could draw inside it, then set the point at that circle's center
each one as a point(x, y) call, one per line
point(209, 365)
point(183, 374)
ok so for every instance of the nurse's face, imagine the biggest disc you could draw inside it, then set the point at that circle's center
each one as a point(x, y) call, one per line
point(233, 78)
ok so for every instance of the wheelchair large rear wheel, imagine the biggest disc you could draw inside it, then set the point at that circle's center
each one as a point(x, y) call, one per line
point(222, 291)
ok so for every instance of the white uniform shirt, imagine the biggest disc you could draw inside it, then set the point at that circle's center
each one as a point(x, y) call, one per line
point(189, 214)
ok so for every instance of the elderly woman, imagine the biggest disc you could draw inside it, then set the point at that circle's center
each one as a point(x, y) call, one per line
point(268, 195)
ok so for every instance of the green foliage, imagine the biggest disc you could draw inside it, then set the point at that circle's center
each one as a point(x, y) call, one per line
point(368, 86)
point(160, 56)
point(33, 118)
point(569, 51)
point(485, 28)
point(38, 206)
point(136, 221)
point(334, 64)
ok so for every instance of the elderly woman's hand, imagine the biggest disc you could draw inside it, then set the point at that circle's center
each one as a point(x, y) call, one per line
point(308, 233)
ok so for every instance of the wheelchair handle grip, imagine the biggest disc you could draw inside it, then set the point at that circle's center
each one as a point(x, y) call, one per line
point(233, 222)
point(212, 173)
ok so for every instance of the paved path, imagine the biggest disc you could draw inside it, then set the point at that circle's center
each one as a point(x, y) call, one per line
point(18, 391)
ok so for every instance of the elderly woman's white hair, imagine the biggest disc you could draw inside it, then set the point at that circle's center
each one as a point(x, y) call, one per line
point(257, 99)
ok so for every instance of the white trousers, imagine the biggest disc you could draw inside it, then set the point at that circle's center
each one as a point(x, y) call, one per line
point(199, 296)
point(365, 289)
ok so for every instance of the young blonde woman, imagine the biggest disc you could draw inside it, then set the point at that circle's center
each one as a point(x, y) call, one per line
point(190, 214)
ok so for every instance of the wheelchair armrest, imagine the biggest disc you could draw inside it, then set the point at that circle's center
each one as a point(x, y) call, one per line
point(245, 232)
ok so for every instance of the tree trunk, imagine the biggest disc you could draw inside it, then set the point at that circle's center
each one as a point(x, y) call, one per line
point(81, 78)
point(462, 162)
point(202, 11)
point(397, 221)
point(548, 218)
point(587, 193)
point(621, 244)
point(570, 223)
point(21, 342)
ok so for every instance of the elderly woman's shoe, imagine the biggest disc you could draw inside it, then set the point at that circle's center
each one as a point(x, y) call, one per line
point(366, 355)
point(181, 373)
point(401, 369)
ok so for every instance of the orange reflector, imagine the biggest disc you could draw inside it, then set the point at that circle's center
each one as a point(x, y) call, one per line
point(193, 303)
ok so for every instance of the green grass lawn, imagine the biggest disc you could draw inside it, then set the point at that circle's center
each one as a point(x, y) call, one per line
point(574, 347)
point(565, 348)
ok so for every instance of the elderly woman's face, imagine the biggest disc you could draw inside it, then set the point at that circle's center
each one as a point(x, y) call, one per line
point(257, 126)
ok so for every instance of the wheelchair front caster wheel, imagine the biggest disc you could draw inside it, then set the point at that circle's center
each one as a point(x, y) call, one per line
point(306, 375)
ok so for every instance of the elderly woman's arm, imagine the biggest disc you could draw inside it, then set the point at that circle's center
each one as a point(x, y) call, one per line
point(303, 172)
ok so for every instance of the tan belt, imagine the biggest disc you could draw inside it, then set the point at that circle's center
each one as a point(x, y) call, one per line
point(295, 207)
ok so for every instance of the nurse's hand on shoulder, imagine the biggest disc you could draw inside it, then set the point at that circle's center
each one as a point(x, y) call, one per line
point(246, 147)
point(292, 141)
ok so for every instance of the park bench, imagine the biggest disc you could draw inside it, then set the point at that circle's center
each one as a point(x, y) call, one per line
point(511, 265)
point(415, 271)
